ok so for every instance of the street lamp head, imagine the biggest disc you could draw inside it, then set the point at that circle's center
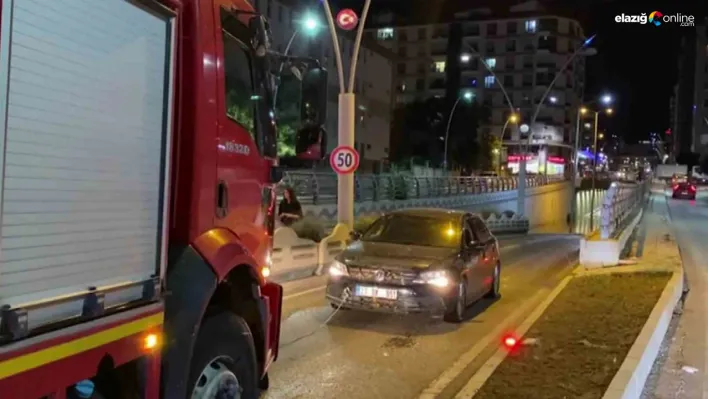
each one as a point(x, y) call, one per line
point(606, 99)
point(467, 95)
point(513, 118)
point(583, 110)
point(310, 23)
point(465, 58)
point(553, 99)
point(589, 40)
point(609, 111)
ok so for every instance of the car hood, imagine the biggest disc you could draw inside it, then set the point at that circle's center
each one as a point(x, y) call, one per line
point(394, 256)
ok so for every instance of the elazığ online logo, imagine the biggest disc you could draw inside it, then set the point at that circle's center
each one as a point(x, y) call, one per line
point(656, 18)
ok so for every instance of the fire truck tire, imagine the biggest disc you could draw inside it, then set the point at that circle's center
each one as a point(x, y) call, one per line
point(224, 360)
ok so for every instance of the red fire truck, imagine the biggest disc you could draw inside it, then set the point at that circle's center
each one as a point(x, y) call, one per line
point(139, 161)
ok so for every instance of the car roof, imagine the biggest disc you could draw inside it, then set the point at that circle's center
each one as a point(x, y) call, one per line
point(431, 212)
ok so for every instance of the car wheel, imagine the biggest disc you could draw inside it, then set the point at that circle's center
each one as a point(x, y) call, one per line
point(457, 313)
point(496, 282)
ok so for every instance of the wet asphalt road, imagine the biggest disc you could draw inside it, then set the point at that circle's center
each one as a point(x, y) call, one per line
point(370, 355)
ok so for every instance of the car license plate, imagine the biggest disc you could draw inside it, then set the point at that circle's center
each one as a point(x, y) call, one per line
point(376, 292)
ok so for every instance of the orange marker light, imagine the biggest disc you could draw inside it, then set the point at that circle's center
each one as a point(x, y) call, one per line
point(151, 341)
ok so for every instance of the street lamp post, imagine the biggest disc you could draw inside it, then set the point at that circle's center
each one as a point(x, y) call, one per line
point(605, 99)
point(467, 96)
point(521, 199)
point(513, 118)
point(310, 24)
point(346, 112)
point(595, 157)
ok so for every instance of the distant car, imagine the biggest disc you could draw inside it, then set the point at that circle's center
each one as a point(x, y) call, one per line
point(678, 179)
point(432, 261)
point(684, 190)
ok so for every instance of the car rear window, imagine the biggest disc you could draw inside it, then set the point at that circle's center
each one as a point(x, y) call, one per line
point(415, 230)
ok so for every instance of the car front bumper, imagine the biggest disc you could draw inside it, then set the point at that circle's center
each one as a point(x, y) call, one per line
point(417, 298)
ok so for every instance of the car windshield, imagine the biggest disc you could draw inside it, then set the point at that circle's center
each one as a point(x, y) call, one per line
point(415, 230)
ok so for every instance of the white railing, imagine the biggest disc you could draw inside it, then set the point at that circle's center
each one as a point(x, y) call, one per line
point(621, 200)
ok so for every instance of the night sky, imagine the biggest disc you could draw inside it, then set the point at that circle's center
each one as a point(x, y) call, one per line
point(636, 63)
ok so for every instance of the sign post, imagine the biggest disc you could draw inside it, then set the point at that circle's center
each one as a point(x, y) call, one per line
point(346, 20)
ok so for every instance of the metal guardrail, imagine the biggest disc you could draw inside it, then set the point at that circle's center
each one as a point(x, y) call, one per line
point(316, 188)
point(621, 200)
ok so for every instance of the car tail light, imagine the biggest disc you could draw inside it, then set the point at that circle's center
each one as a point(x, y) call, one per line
point(692, 188)
point(675, 187)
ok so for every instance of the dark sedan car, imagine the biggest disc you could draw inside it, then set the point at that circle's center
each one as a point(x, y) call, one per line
point(684, 190)
point(418, 261)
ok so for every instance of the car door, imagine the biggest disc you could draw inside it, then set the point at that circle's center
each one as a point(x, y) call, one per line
point(490, 255)
point(472, 255)
point(242, 193)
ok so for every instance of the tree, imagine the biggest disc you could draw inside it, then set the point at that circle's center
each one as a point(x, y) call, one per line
point(489, 149)
point(419, 132)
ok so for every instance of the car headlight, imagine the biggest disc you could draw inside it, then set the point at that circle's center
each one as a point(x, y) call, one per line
point(337, 269)
point(438, 278)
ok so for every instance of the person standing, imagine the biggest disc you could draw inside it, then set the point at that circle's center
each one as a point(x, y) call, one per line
point(289, 210)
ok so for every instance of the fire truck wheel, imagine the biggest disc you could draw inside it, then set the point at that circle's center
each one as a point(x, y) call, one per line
point(224, 360)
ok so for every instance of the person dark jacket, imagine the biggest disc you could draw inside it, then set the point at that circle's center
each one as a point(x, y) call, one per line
point(289, 209)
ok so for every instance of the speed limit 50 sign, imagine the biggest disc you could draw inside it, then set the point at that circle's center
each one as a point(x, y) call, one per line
point(344, 159)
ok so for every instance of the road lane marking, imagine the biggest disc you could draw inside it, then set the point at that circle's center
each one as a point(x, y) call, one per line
point(305, 292)
point(449, 376)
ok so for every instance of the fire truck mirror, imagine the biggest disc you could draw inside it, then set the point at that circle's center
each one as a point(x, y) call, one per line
point(311, 143)
point(261, 35)
point(313, 103)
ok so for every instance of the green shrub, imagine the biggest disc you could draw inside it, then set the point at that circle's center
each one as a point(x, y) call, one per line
point(309, 228)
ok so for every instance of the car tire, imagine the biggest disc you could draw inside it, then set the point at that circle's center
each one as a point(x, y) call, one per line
point(224, 360)
point(457, 313)
point(496, 283)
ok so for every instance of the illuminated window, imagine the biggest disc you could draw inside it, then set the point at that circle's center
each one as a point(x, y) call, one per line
point(491, 62)
point(531, 26)
point(440, 66)
point(384, 34)
point(489, 81)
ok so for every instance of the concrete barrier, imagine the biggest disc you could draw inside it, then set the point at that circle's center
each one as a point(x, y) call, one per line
point(606, 252)
point(545, 205)
point(622, 202)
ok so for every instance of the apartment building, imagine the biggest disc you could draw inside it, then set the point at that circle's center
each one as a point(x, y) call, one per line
point(373, 83)
point(524, 48)
point(699, 133)
point(689, 104)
